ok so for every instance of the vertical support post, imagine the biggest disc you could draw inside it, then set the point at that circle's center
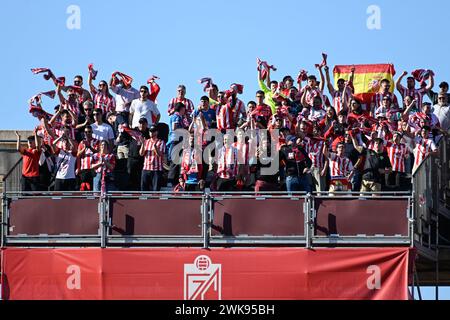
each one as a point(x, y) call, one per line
point(411, 220)
point(206, 198)
point(102, 220)
point(308, 208)
point(4, 224)
point(437, 255)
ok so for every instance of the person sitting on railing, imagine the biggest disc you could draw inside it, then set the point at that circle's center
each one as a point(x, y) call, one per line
point(66, 159)
point(30, 156)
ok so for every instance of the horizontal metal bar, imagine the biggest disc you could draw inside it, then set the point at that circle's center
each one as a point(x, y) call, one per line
point(152, 240)
point(301, 242)
point(361, 240)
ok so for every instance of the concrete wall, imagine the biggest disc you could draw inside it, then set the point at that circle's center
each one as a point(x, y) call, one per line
point(8, 154)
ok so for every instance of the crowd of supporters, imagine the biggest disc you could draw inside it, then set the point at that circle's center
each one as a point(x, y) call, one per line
point(99, 141)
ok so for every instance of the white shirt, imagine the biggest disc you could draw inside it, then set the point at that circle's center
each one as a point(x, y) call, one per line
point(443, 114)
point(102, 132)
point(317, 114)
point(65, 163)
point(124, 97)
point(143, 109)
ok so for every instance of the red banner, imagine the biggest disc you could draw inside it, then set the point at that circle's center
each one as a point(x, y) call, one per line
point(196, 274)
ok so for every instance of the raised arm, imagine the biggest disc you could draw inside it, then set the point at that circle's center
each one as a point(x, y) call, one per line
point(405, 114)
point(322, 82)
point(303, 100)
point(37, 141)
point(18, 146)
point(62, 100)
point(431, 84)
point(398, 83)
point(91, 85)
point(329, 84)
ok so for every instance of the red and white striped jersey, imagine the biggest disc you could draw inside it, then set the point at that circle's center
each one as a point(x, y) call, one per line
point(377, 99)
point(72, 106)
point(315, 152)
point(153, 161)
point(226, 118)
point(239, 110)
point(86, 157)
point(415, 94)
point(340, 167)
point(104, 102)
point(337, 99)
point(110, 158)
point(397, 154)
point(187, 102)
point(423, 148)
point(227, 162)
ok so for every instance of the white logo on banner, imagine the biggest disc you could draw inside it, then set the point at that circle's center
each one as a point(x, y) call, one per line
point(201, 277)
point(74, 280)
point(374, 281)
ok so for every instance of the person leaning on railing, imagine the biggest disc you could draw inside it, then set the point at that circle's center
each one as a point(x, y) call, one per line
point(30, 155)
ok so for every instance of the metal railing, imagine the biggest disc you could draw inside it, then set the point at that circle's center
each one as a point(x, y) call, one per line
point(206, 219)
point(12, 179)
point(431, 190)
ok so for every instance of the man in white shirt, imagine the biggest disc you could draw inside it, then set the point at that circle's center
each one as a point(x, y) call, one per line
point(143, 108)
point(100, 130)
point(125, 94)
point(442, 111)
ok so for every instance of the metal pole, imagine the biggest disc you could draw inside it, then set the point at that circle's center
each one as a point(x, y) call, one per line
point(416, 276)
point(102, 220)
point(205, 219)
point(4, 225)
point(437, 255)
point(308, 218)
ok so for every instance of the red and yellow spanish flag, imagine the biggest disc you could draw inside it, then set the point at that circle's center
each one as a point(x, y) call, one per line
point(367, 78)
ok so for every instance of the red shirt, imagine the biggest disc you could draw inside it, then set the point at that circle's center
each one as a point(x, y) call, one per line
point(30, 167)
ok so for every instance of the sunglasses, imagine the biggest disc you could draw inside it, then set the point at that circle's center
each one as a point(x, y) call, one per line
point(102, 84)
point(144, 91)
point(89, 132)
point(87, 109)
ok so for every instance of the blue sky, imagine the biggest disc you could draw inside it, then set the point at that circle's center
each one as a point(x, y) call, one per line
point(183, 41)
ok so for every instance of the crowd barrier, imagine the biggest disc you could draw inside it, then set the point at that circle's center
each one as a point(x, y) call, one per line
point(206, 219)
